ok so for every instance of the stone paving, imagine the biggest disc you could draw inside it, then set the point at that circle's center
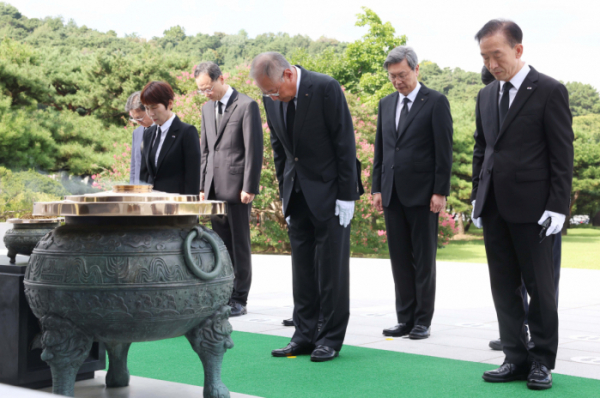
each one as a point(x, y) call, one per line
point(464, 321)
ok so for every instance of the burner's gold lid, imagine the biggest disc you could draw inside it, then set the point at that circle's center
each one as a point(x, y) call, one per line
point(130, 200)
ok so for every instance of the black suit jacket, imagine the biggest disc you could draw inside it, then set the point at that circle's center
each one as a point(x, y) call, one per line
point(323, 154)
point(178, 168)
point(530, 157)
point(419, 158)
point(232, 157)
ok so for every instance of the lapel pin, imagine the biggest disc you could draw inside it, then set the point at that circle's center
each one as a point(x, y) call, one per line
point(528, 88)
point(173, 136)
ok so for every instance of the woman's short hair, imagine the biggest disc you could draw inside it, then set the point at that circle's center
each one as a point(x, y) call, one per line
point(157, 92)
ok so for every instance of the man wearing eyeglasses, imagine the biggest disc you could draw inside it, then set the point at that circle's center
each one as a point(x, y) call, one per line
point(315, 160)
point(411, 179)
point(231, 163)
point(137, 113)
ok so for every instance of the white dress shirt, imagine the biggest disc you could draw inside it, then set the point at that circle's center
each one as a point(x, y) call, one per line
point(164, 130)
point(411, 96)
point(516, 81)
point(224, 101)
point(285, 104)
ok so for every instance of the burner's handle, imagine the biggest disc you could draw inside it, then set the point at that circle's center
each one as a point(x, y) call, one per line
point(201, 233)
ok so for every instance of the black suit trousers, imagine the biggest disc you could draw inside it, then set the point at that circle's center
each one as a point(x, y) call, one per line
point(234, 230)
point(412, 240)
point(556, 257)
point(515, 255)
point(320, 272)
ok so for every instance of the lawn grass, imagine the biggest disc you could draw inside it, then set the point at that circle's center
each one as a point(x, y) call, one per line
point(581, 249)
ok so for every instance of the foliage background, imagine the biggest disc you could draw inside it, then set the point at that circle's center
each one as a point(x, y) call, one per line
point(63, 88)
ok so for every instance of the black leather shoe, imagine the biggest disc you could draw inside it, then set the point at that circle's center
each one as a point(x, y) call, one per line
point(539, 378)
point(288, 322)
point(293, 349)
point(506, 372)
point(401, 329)
point(323, 353)
point(496, 345)
point(237, 309)
point(420, 332)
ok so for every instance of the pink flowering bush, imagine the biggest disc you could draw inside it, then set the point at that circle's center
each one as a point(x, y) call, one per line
point(447, 229)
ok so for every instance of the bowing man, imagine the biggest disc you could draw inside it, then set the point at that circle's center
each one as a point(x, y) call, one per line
point(315, 160)
point(522, 174)
point(411, 179)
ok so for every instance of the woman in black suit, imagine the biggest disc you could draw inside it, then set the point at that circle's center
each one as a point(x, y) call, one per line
point(170, 148)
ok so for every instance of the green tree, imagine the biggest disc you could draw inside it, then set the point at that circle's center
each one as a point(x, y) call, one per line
point(583, 99)
point(585, 194)
point(18, 192)
point(20, 74)
point(365, 57)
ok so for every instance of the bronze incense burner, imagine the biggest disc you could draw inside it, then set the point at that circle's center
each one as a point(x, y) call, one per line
point(128, 266)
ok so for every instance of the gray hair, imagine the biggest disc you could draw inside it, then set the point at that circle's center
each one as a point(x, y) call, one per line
point(133, 102)
point(400, 54)
point(270, 64)
point(208, 67)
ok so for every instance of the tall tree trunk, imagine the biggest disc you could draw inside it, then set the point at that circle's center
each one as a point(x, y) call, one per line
point(461, 225)
point(596, 220)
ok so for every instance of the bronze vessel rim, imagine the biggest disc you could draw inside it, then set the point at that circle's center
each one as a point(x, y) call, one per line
point(34, 221)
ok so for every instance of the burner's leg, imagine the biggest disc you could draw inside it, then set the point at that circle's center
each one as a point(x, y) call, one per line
point(118, 374)
point(210, 340)
point(65, 348)
point(12, 255)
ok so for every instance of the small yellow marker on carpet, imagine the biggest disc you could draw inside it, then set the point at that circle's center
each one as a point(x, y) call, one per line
point(389, 339)
point(291, 356)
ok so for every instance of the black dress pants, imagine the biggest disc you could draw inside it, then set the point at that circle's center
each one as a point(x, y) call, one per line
point(320, 272)
point(234, 230)
point(412, 240)
point(556, 259)
point(515, 254)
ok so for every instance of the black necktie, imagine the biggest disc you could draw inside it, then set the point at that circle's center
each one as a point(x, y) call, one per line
point(290, 116)
point(219, 115)
point(403, 115)
point(154, 148)
point(505, 101)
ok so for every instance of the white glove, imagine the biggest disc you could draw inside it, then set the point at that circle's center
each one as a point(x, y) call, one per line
point(476, 221)
point(556, 224)
point(287, 220)
point(344, 209)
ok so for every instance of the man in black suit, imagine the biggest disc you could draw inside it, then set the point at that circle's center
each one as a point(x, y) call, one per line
point(170, 148)
point(411, 179)
point(315, 159)
point(522, 172)
point(486, 78)
point(232, 154)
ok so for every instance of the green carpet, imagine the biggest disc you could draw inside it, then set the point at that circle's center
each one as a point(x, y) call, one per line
point(359, 372)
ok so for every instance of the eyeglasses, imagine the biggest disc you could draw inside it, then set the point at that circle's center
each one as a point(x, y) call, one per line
point(132, 119)
point(275, 94)
point(401, 76)
point(208, 90)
